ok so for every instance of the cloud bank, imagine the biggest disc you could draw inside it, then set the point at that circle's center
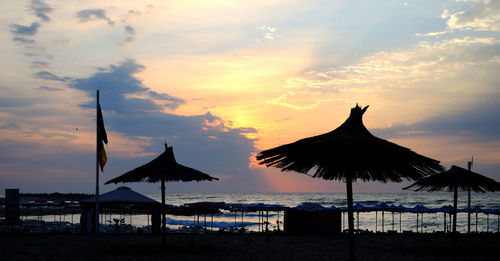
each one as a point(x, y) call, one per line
point(200, 141)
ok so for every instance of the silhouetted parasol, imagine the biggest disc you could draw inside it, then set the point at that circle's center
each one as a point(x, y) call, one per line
point(164, 168)
point(453, 180)
point(348, 153)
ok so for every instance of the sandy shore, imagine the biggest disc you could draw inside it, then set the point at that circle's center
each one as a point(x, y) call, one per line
point(245, 247)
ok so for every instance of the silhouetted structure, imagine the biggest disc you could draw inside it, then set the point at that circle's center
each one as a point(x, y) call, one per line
point(164, 168)
point(122, 200)
point(348, 153)
point(12, 212)
point(318, 222)
point(453, 180)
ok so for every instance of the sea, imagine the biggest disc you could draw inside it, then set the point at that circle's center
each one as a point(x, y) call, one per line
point(364, 221)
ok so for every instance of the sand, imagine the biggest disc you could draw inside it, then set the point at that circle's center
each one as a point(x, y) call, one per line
point(245, 247)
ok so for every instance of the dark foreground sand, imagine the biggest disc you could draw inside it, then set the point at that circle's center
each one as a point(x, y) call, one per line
point(245, 247)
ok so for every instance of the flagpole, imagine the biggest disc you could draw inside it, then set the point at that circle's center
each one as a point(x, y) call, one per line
point(469, 165)
point(97, 167)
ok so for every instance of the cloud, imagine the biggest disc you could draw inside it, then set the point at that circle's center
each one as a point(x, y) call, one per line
point(130, 30)
point(485, 16)
point(41, 9)
point(131, 33)
point(10, 126)
point(473, 123)
point(435, 34)
point(128, 92)
point(44, 75)
point(15, 102)
point(429, 63)
point(268, 32)
point(46, 88)
point(23, 40)
point(22, 30)
point(126, 89)
point(134, 111)
point(93, 14)
point(39, 64)
point(170, 101)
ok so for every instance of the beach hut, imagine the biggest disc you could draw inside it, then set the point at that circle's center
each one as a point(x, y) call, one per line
point(119, 199)
point(350, 153)
point(453, 180)
point(163, 168)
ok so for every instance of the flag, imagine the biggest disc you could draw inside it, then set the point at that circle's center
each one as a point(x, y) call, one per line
point(101, 137)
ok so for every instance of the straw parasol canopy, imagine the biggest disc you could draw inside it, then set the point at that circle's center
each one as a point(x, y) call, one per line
point(453, 180)
point(164, 168)
point(456, 178)
point(348, 153)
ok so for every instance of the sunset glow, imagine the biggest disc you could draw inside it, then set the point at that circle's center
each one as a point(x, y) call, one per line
point(222, 80)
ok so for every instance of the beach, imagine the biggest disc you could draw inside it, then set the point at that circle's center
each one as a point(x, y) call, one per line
point(226, 246)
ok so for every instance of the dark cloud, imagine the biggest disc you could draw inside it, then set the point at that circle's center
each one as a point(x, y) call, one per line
point(120, 82)
point(22, 30)
point(170, 102)
point(39, 64)
point(131, 32)
point(44, 75)
point(134, 12)
point(93, 14)
point(46, 88)
point(32, 54)
point(41, 9)
point(481, 122)
point(23, 40)
point(199, 141)
point(10, 126)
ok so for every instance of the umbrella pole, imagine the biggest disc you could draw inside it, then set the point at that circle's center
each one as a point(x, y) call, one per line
point(487, 223)
point(400, 231)
point(444, 228)
point(357, 221)
point(382, 221)
point(393, 221)
point(163, 210)
point(455, 196)
point(417, 222)
point(350, 217)
point(476, 221)
point(422, 223)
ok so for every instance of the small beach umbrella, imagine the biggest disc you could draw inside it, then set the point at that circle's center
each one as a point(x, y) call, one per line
point(162, 169)
point(348, 153)
point(453, 180)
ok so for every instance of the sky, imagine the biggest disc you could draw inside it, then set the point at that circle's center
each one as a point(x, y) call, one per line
point(222, 80)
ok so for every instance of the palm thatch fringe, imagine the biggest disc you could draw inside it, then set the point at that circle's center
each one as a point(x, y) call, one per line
point(350, 151)
point(164, 166)
point(455, 177)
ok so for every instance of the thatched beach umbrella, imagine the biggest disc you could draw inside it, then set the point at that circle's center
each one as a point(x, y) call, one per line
point(164, 168)
point(453, 180)
point(348, 153)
